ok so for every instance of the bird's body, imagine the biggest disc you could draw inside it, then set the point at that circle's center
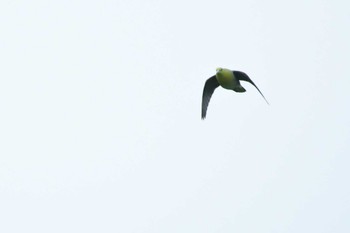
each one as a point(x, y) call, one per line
point(227, 79)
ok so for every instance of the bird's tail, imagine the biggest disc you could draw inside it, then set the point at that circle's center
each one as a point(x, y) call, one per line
point(239, 89)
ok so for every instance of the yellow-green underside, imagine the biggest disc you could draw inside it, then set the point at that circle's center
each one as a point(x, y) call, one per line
point(226, 79)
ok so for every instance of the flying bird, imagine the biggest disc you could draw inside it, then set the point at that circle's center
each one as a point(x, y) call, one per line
point(228, 79)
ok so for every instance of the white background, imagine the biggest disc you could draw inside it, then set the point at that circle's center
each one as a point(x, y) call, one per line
point(100, 126)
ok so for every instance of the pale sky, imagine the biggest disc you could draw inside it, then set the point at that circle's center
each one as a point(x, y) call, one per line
point(101, 128)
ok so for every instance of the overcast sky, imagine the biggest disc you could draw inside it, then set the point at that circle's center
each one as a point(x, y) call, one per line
point(101, 129)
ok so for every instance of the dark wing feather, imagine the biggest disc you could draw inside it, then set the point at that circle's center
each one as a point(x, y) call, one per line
point(210, 85)
point(244, 77)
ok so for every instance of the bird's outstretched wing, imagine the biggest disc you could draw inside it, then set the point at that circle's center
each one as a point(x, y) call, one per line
point(244, 77)
point(210, 85)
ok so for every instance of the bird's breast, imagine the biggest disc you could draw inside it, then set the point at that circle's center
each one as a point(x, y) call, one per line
point(227, 80)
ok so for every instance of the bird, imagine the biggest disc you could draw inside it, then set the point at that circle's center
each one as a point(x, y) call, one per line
point(228, 79)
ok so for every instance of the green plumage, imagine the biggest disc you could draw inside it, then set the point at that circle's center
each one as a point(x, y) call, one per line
point(228, 79)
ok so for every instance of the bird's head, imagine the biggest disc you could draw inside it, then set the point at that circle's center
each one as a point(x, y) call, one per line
point(218, 70)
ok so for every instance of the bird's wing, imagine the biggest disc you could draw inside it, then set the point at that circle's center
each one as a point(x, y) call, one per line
point(244, 77)
point(210, 85)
